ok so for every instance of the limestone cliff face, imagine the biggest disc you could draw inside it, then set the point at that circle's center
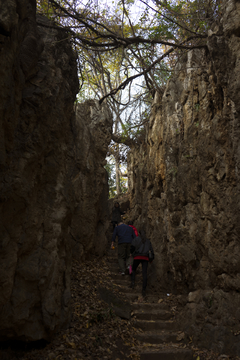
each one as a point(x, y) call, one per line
point(90, 182)
point(184, 183)
point(49, 159)
point(185, 186)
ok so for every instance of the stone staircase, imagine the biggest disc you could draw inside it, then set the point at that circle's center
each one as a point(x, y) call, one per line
point(156, 330)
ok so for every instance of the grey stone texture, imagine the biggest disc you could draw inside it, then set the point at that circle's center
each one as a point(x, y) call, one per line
point(184, 178)
point(185, 189)
point(52, 181)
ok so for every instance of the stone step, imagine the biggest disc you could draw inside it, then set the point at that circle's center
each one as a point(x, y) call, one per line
point(158, 337)
point(114, 273)
point(167, 354)
point(126, 290)
point(123, 286)
point(151, 325)
point(150, 314)
point(147, 306)
point(123, 281)
point(113, 265)
point(111, 259)
point(112, 254)
point(133, 296)
point(120, 279)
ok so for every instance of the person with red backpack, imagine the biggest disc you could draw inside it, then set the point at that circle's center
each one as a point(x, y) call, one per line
point(130, 223)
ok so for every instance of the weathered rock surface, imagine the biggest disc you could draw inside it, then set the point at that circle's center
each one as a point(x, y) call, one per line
point(184, 178)
point(89, 178)
point(52, 181)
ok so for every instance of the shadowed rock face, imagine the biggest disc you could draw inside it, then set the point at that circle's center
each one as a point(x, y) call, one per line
point(90, 182)
point(47, 167)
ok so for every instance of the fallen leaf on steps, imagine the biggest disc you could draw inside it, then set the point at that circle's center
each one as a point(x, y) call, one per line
point(180, 336)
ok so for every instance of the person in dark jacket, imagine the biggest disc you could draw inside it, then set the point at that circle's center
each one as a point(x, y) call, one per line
point(116, 215)
point(140, 248)
point(125, 236)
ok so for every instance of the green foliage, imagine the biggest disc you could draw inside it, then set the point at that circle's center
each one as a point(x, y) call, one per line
point(123, 185)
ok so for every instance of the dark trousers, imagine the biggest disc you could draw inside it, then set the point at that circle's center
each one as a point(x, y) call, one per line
point(114, 223)
point(144, 271)
point(123, 255)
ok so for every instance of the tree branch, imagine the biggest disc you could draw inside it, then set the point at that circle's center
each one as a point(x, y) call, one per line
point(120, 140)
point(115, 39)
point(131, 78)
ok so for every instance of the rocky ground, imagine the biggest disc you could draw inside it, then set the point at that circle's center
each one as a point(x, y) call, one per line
point(96, 332)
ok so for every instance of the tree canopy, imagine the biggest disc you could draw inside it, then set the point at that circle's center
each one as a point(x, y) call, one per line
point(127, 50)
point(132, 37)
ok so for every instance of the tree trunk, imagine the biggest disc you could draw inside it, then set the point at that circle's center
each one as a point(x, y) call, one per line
point(117, 164)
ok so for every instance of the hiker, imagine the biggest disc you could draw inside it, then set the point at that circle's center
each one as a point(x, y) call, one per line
point(125, 236)
point(142, 252)
point(116, 215)
point(130, 223)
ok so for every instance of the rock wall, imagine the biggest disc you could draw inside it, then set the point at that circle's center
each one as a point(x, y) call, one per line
point(53, 185)
point(90, 180)
point(184, 183)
